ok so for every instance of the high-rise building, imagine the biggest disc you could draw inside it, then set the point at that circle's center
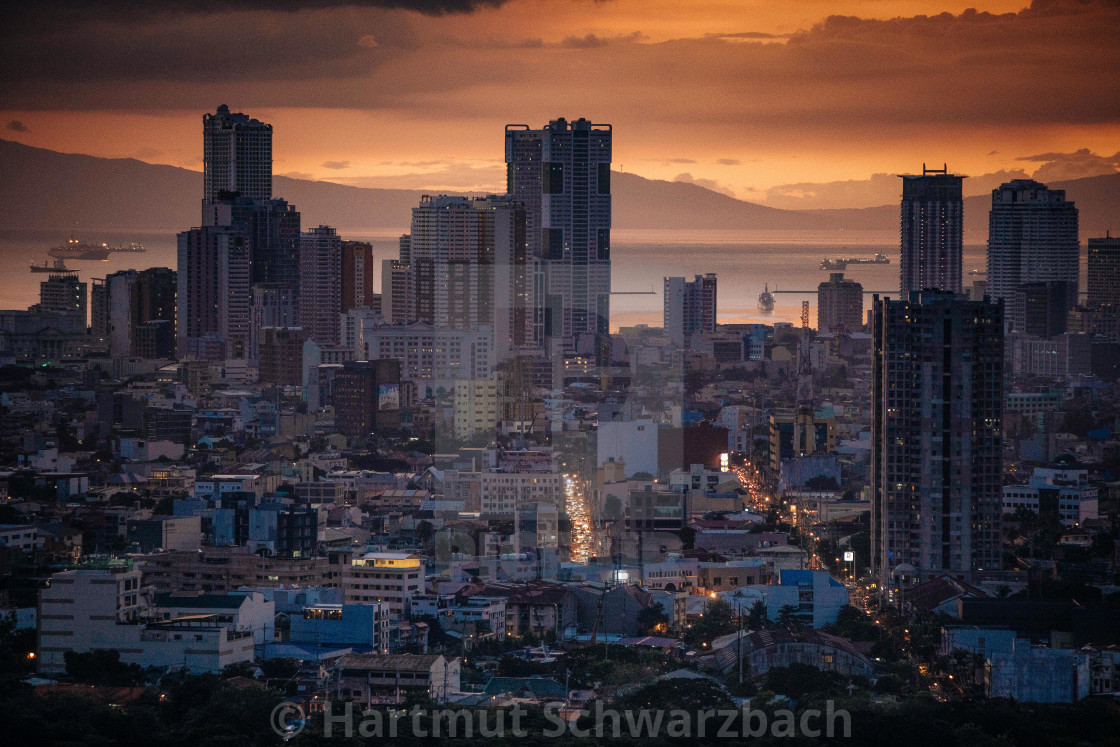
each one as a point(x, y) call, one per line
point(562, 174)
point(1044, 307)
point(366, 397)
point(272, 228)
point(214, 293)
point(281, 355)
point(469, 268)
point(98, 311)
point(136, 298)
point(936, 444)
point(320, 284)
point(237, 156)
point(690, 307)
point(932, 231)
point(1104, 271)
point(396, 298)
point(63, 291)
point(1032, 237)
point(357, 275)
point(274, 305)
point(839, 304)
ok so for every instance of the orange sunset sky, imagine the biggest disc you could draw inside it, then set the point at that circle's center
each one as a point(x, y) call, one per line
point(792, 104)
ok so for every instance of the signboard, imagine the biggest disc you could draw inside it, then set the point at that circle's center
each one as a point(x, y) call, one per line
point(849, 556)
point(388, 397)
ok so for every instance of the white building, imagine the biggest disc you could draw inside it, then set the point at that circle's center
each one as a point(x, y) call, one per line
point(22, 537)
point(1065, 493)
point(816, 597)
point(107, 608)
point(433, 357)
point(388, 577)
point(631, 441)
point(501, 493)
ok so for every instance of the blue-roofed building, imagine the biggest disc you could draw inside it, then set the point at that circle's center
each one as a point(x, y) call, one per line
point(816, 597)
point(364, 627)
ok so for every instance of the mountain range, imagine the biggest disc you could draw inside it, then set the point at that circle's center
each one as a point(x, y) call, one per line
point(44, 189)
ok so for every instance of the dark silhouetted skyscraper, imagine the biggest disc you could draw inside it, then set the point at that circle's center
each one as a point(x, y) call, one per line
point(1104, 271)
point(562, 174)
point(936, 444)
point(1032, 238)
point(237, 156)
point(320, 285)
point(932, 231)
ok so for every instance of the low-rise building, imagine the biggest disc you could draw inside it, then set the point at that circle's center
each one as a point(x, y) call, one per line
point(360, 626)
point(394, 678)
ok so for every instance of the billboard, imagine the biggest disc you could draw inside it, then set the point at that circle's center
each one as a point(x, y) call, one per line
point(388, 397)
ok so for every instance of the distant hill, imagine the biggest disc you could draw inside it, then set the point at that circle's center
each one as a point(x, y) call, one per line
point(49, 190)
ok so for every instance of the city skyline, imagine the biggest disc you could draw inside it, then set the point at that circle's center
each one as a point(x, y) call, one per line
point(794, 135)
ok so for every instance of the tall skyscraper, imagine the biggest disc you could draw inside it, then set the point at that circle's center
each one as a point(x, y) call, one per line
point(214, 293)
point(63, 291)
point(932, 231)
point(1104, 271)
point(936, 444)
point(470, 268)
point(396, 295)
point(562, 174)
point(357, 275)
point(1032, 237)
point(690, 307)
point(839, 304)
point(272, 228)
point(320, 284)
point(274, 305)
point(237, 156)
point(135, 299)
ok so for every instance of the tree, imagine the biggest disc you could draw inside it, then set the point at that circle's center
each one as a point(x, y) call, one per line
point(425, 531)
point(756, 618)
point(786, 614)
point(798, 680)
point(652, 620)
point(717, 620)
point(102, 667)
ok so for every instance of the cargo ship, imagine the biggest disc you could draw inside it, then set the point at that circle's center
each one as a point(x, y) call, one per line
point(841, 263)
point(75, 249)
point(58, 266)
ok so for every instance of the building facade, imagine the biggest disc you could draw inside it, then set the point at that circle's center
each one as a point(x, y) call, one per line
point(561, 173)
point(320, 284)
point(237, 155)
point(936, 451)
point(839, 304)
point(690, 307)
point(1032, 237)
point(932, 231)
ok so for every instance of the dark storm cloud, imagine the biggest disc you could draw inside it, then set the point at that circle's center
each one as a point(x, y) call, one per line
point(1082, 162)
point(134, 10)
point(1056, 62)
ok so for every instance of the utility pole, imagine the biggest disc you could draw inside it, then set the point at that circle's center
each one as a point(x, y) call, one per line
point(740, 641)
